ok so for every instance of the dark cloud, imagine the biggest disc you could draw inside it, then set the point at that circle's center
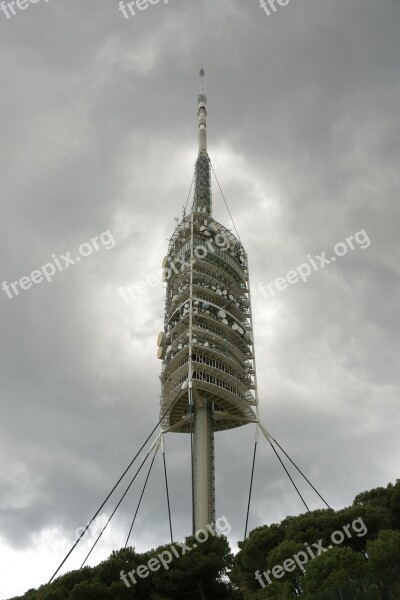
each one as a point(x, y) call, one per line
point(98, 129)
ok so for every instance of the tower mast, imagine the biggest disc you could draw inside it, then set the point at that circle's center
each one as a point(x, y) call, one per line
point(203, 471)
point(208, 375)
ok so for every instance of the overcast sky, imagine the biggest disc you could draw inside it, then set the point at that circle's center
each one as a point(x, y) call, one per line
point(99, 134)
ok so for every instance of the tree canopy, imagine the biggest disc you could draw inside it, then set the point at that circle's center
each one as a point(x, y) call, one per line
point(349, 554)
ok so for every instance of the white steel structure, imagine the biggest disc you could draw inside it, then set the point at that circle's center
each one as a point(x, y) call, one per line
point(209, 373)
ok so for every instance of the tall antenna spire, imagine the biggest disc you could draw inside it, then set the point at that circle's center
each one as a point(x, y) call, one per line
point(202, 190)
point(202, 115)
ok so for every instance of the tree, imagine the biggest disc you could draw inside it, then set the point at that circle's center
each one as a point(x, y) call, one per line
point(292, 573)
point(52, 594)
point(109, 570)
point(92, 590)
point(253, 554)
point(333, 568)
point(383, 561)
point(201, 572)
point(369, 529)
point(384, 552)
point(395, 505)
point(386, 498)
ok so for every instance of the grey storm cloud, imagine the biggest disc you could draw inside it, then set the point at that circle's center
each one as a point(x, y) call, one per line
point(98, 132)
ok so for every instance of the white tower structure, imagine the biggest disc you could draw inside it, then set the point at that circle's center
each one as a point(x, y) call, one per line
point(209, 372)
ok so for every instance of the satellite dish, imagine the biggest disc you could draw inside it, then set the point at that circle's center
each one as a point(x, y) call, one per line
point(161, 338)
point(160, 352)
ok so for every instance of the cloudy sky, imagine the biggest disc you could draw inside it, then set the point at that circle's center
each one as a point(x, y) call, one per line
point(99, 134)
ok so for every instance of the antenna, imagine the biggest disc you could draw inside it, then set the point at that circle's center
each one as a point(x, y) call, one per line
point(202, 80)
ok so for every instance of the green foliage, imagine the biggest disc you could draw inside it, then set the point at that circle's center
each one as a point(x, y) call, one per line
point(254, 551)
point(330, 569)
point(89, 590)
point(364, 565)
point(386, 498)
point(276, 591)
point(200, 573)
point(384, 551)
point(285, 551)
point(51, 594)
point(371, 522)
